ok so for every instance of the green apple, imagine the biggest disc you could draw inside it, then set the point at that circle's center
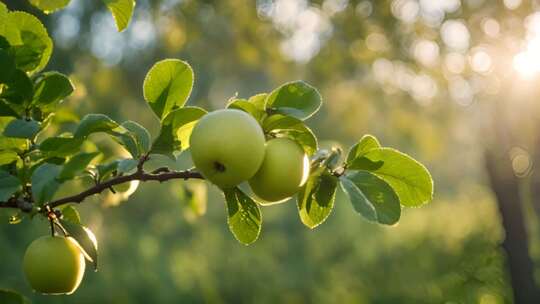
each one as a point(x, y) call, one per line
point(54, 265)
point(227, 147)
point(284, 170)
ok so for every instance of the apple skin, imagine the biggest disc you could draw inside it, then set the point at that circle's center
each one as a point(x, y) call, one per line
point(284, 170)
point(227, 147)
point(54, 265)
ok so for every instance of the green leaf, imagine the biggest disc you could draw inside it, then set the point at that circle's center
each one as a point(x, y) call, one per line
point(9, 184)
point(6, 110)
point(365, 144)
point(16, 144)
point(52, 160)
point(244, 216)
point(372, 197)
point(6, 27)
point(297, 99)
point(127, 165)
point(85, 238)
point(50, 6)
point(136, 140)
point(93, 123)
point(167, 86)
point(7, 66)
point(19, 89)
point(358, 199)
point(69, 213)
point(29, 41)
point(12, 297)
point(106, 170)
point(22, 128)
point(28, 56)
point(409, 179)
point(122, 11)
point(259, 101)
point(4, 44)
point(248, 107)
point(51, 88)
point(9, 143)
point(76, 164)
point(315, 200)
point(44, 182)
point(176, 129)
point(127, 141)
point(3, 17)
point(7, 157)
point(293, 128)
point(61, 146)
point(142, 136)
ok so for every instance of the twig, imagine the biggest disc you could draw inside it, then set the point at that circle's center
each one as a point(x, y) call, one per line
point(100, 187)
point(141, 176)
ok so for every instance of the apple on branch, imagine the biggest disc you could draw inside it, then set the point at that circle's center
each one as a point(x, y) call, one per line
point(284, 170)
point(54, 265)
point(227, 146)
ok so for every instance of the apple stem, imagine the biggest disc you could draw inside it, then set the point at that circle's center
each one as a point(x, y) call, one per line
point(52, 227)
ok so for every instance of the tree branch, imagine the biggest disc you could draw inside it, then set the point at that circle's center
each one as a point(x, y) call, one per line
point(100, 187)
point(139, 175)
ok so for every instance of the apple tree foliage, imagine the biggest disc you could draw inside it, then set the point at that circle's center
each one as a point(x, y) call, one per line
point(378, 181)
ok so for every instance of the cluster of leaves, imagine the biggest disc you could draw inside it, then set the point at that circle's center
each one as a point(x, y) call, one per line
point(378, 181)
point(32, 165)
point(121, 10)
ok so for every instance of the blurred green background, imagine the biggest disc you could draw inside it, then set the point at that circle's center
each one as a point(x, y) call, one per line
point(431, 78)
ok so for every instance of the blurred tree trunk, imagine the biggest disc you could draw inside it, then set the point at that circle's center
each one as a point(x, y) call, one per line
point(535, 179)
point(516, 244)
